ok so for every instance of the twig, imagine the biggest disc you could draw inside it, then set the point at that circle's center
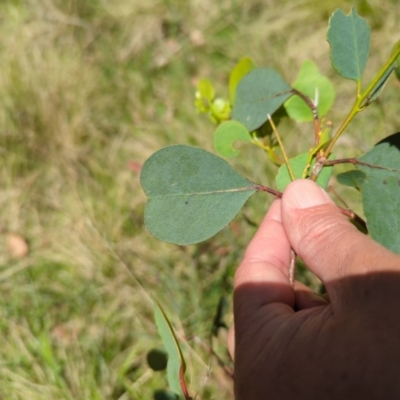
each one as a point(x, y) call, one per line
point(354, 161)
point(313, 107)
point(285, 157)
point(361, 97)
point(274, 192)
point(183, 384)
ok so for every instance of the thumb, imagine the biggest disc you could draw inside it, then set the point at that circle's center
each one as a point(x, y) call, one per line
point(325, 240)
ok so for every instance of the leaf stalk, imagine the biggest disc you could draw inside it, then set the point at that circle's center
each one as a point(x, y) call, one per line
point(285, 157)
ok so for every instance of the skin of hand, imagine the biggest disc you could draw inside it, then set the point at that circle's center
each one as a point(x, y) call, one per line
point(289, 343)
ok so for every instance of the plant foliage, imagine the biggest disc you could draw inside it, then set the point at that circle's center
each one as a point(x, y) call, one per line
point(259, 94)
point(192, 194)
point(381, 186)
point(348, 36)
point(176, 363)
point(314, 85)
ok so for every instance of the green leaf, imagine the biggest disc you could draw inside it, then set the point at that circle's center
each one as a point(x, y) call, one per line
point(397, 70)
point(192, 194)
point(375, 92)
point(396, 48)
point(349, 38)
point(380, 191)
point(204, 95)
point(226, 134)
point(206, 89)
point(309, 81)
point(380, 198)
point(353, 178)
point(259, 93)
point(176, 363)
point(298, 164)
point(242, 68)
point(385, 154)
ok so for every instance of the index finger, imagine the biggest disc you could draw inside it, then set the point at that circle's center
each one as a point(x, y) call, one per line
point(265, 263)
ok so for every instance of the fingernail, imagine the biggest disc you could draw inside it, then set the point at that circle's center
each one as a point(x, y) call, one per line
point(305, 194)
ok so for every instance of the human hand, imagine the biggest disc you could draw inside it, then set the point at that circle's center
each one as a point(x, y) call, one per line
point(289, 343)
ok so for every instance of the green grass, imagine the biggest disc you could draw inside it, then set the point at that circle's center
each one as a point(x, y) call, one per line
point(89, 86)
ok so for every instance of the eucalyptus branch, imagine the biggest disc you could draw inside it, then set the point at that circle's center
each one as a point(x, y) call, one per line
point(353, 112)
point(189, 203)
point(358, 104)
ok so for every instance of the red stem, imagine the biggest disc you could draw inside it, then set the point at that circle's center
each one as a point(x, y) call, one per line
point(183, 384)
point(314, 111)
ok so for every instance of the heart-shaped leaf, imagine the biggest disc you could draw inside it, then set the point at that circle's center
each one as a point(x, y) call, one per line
point(349, 38)
point(192, 194)
point(259, 93)
point(309, 81)
point(226, 134)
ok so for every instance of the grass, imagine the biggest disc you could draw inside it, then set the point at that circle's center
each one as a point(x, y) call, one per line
point(89, 88)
